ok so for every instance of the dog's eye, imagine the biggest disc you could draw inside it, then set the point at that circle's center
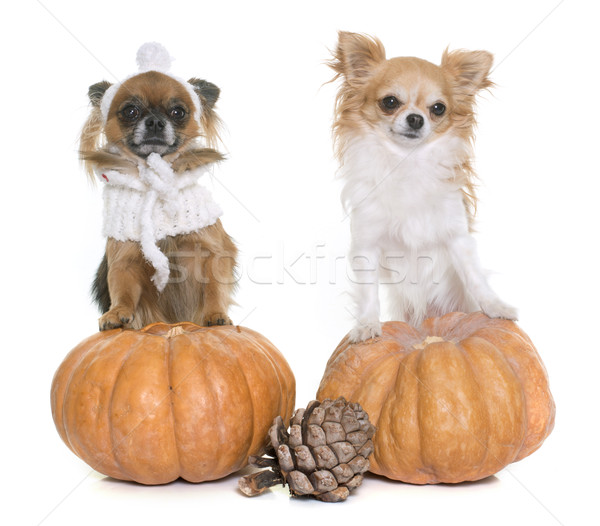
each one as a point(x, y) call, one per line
point(177, 113)
point(438, 108)
point(130, 113)
point(389, 104)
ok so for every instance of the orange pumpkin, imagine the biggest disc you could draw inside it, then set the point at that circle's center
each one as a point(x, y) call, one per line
point(171, 401)
point(457, 399)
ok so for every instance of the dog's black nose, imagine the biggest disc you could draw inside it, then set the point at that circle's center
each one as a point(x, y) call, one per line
point(415, 121)
point(154, 124)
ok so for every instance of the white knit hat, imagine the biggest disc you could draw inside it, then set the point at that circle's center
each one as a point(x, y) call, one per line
point(151, 56)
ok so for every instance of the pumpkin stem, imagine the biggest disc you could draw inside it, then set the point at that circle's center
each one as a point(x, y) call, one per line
point(427, 341)
point(175, 331)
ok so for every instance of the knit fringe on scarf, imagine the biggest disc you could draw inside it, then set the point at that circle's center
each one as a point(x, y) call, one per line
point(155, 204)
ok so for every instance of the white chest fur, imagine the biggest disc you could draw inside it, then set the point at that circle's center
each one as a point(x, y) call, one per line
point(405, 196)
point(406, 208)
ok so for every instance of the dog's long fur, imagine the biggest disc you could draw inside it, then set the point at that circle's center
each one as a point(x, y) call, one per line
point(410, 192)
point(202, 264)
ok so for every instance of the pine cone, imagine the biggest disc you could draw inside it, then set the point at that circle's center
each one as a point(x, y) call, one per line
point(324, 454)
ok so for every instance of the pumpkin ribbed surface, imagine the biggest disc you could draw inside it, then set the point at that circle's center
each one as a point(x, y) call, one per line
point(171, 401)
point(456, 399)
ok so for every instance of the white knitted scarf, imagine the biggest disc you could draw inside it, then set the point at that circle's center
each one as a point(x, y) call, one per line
point(155, 204)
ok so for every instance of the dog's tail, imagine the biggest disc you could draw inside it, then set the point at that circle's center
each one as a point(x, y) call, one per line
point(99, 290)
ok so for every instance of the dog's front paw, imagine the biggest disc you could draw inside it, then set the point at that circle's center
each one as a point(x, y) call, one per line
point(364, 331)
point(218, 318)
point(499, 309)
point(115, 318)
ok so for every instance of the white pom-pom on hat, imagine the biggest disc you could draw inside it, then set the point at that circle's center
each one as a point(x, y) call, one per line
point(153, 56)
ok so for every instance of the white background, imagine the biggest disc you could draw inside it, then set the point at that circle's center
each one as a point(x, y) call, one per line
point(537, 155)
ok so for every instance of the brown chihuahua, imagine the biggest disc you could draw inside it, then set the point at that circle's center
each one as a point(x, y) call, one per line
point(168, 257)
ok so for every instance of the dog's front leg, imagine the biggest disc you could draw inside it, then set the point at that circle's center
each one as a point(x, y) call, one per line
point(218, 273)
point(126, 272)
point(213, 270)
point(463, 252)
point(364, 264)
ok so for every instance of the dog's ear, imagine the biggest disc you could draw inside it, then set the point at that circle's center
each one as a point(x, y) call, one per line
point(356, 56)
point(207, 91)
point(468, 69)
point(209, 121)
point(90, 139)
point(97, 91)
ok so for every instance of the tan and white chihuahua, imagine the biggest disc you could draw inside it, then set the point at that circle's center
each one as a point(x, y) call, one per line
point(403, 132)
